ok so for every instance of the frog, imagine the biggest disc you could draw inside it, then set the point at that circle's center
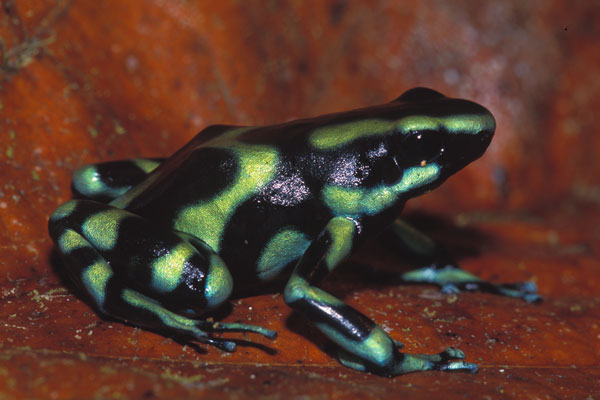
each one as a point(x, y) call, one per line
point(163, 243)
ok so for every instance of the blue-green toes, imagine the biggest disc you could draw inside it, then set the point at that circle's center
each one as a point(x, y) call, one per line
point(438, 362)
point(441, 360)
point(237, 327)
point(453, 280)
point(451, 360)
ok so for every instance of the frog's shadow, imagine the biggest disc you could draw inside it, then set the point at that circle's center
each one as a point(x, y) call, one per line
point(356, 273)
point(391, 262)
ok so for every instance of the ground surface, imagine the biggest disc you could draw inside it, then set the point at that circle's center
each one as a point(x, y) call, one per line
point(87, 81)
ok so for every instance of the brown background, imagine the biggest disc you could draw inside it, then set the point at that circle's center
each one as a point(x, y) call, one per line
point(86, 81)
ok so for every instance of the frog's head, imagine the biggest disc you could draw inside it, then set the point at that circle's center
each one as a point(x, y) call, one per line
point(436, 136)
point(381, 156)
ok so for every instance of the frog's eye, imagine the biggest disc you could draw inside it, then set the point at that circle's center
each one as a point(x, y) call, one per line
point(420, 148)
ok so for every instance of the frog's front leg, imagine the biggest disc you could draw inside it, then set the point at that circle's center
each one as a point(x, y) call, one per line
point(362, 344)
point(440, 269)
point(106, 181)
point(145, 275)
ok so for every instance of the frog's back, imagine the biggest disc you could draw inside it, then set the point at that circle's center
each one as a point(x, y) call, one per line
point(244, 200)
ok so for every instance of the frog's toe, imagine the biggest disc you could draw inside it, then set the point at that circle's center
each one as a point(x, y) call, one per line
point(452, 352)
point(203, 331)
point(460, 366)
point(532, 297)
point(527, 287)
point(451, 359)
point(524, 290)
point(450, 288)
point(348, 361)
point(225, 345)
point(236, 327)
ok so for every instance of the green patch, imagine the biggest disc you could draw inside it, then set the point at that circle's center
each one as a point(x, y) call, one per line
point(71, 240)
point(64, 210)
point(332, 136)
point(207, 220)
point(283, 248)
point(465, 124)
point(146, 164)
point(167, 269)
point(101, 229)
point(357, 201)
point(168, 318)
point(341, 230)
point(87, 181)
point(219, 282)
point(94, 278)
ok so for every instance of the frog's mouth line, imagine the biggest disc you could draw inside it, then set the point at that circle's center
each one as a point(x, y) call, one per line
point(461, 150)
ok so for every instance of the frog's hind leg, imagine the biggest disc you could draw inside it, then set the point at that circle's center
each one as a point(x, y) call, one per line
point(144, 275)
point(106, 181)
point(362, 344)
point(438, 267)
point(156, 316)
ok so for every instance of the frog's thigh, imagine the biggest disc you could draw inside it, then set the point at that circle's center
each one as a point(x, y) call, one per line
point(106, 181)
point(135, 272)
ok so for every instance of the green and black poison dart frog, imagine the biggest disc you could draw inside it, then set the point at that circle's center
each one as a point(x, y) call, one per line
point(159, 242)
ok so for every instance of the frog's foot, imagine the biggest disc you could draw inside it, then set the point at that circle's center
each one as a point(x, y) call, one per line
point(224, 344)
point(522, 290)
point(199, 329)
point(405, 363)
point(237, 327)
point(453, 280)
